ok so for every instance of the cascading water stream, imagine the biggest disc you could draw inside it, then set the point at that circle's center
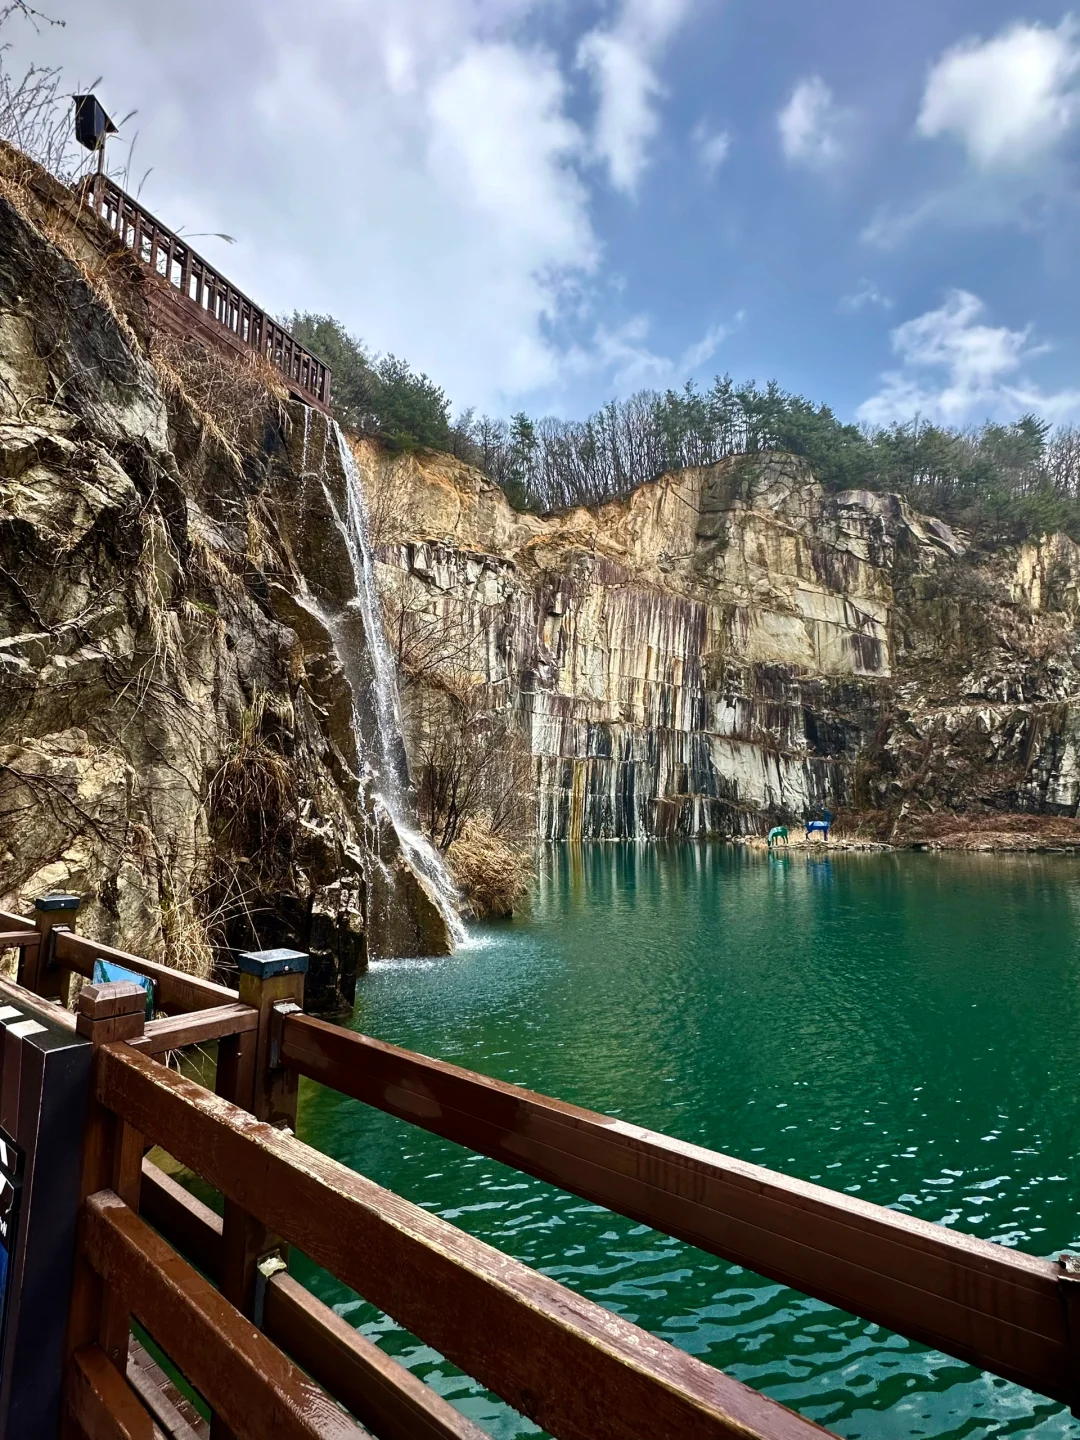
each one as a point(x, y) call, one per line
point(391, 773)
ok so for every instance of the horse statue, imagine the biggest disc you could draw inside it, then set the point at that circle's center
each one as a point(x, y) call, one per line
point(819, 827)
point(776, 834)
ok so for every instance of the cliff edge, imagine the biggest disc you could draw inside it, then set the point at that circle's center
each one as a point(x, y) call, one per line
point(178, 736)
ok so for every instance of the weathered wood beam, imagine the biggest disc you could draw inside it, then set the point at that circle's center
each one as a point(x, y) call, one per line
point(999, 1309)
point(573, 1367)
point(382, 1394)
point(101, 1403)
point(196, 1028)
point(243, 1375)
point(173, 991)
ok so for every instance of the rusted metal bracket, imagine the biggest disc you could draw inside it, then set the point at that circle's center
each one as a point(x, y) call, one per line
point(278, 1015)
point(1069, 1283)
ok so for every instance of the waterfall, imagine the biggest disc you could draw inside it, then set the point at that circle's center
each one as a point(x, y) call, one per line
point(391, 771)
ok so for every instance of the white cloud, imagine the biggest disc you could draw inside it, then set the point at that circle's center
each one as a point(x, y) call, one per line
point(1010, 100)
point(621, 59)
point(1011, 104)
point(954, 368)
point(410, 166)
point(514, 167)
point(866, 295)
point(704, 350)
point(813, 127)
point(624, 354)
point(713, 146)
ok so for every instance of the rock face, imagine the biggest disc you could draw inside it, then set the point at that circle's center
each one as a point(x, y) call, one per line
point(176, 726)
point(730, 647)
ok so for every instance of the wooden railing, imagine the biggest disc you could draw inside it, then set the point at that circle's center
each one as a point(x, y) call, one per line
point(264, 1353)
point(209, 296)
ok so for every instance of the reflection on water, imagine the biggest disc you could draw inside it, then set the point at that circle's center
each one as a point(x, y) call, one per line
point(900, 1027)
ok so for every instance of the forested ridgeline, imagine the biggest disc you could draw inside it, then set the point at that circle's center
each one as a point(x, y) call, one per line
point(1000, 481)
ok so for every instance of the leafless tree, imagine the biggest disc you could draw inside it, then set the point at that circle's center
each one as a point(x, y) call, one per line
point(472, 762)
point(34, 114)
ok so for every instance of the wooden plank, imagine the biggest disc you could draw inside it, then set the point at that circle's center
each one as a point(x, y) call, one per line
point(382, 1394)
point(196, 1028)
point(573, 1367)
point(173, 1411)
point(996, 1308)
point(50, 1010)
point(174, 991)
point(18, 939)
point(96, 1315)
point(243, 1375)
point(15, 922)
point(114, 1332)
point(101, 1402)
point(189, 1226)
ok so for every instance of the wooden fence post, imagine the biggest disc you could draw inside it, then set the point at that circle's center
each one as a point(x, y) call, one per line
point(251, 1075)
point(37, 971)
point(269, 978)
point(112, 1160)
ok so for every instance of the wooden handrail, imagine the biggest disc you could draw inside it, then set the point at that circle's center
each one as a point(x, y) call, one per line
point(174, 992)
point(13, 994)
point(189, 1226)
point(382, 1394)
point(15, 922)
point(176, 1031)
point(573, 1367)
point(170, 257)
point(392, 1402)
point(242, 1374)
point(997, 1308)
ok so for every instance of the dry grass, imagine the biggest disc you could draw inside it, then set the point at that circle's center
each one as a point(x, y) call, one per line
point(492, 873)
point(210, 565)
point(989, 829)
point(253, 795)
point(232, 395)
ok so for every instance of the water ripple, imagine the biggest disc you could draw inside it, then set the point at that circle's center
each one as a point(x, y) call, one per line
point(897, 1027)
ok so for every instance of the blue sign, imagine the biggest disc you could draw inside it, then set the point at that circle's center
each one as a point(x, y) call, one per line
point(11, 1180)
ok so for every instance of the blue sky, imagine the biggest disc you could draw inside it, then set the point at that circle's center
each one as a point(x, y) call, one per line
point(546, 204)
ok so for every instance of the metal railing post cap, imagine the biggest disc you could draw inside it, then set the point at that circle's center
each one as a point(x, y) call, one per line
point(265, 963)
point(47, 903)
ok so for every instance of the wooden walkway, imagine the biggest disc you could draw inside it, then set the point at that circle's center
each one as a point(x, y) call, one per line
point(268, 1358)
point(192, 300)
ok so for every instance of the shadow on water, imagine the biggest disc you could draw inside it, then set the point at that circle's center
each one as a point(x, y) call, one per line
point(900, 1027)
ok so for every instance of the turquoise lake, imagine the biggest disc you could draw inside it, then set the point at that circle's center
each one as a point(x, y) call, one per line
point(900, 1027)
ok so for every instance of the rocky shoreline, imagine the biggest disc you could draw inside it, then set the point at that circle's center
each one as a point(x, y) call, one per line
point(972, 834)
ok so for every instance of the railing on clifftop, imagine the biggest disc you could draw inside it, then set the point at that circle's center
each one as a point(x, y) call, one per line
point(270, 1358)
point(195, 301)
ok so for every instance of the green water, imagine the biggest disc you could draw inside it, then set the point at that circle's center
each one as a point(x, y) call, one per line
point(901, 1027)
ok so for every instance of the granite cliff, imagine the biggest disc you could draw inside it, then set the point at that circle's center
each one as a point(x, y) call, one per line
point(731, 647)
point(177, 736)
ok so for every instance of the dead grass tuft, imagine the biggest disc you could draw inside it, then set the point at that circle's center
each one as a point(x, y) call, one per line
point(233, 395)
point(493, 874)
point(253, 796)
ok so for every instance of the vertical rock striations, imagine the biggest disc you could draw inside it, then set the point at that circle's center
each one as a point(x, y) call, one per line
point(730, 647)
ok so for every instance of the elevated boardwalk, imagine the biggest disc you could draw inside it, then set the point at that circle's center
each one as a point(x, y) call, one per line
point(267, 1358)
point(192, 300)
